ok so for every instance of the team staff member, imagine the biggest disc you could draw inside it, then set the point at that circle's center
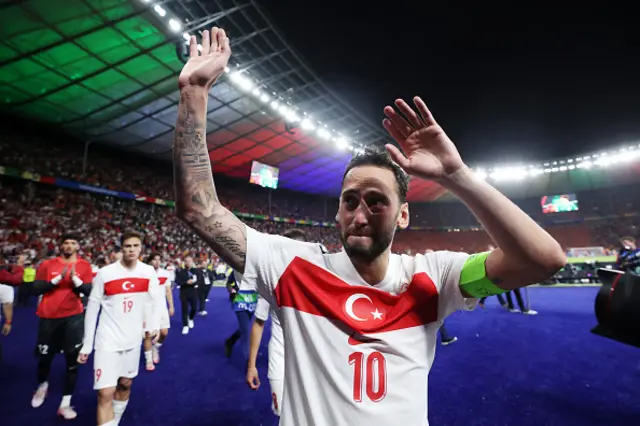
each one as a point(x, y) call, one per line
point(60, 282)
point(26, 288)
point(204, 288)
point(188, 278)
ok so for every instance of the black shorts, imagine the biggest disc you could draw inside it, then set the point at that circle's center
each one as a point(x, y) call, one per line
point(60, 334)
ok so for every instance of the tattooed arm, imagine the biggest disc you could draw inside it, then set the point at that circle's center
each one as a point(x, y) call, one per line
point(197, 202)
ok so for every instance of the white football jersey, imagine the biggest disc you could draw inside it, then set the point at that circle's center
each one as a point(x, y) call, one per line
point(124, 296)
point(276, 341)
point(164, 280)
point(363, 350)
point(6, 296)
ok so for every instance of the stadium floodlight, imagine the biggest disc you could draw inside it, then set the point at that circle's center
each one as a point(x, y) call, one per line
point(342, 142)
point(247, 83)
point(175, 25)
point(324, 133)
point(160, 10)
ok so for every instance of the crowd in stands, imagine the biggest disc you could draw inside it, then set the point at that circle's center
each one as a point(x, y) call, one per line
point(33, 215)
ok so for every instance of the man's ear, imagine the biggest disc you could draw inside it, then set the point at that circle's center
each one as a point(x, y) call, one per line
point(403, 216)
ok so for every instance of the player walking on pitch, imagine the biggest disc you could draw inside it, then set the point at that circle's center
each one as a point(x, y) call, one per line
point(61, 282)
point(151, 350)
point(124, 291)
point(360, 326)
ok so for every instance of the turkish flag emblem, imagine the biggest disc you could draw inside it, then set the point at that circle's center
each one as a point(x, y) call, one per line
point(309, 288)
point(360, 307)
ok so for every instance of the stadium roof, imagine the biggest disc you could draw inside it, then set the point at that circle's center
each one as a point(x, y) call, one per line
point(105, 70)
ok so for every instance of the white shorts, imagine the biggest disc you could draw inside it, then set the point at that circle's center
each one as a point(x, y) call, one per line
point(165, 321)
point(277, 388)
point(108, 367)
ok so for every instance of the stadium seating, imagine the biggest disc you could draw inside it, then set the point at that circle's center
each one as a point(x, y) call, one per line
point(34, 214)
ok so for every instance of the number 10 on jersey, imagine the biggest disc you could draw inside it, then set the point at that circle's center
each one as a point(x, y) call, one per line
point(369, 372)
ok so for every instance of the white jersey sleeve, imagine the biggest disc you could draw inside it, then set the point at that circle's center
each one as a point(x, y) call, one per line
point(445, 268)
point(262, 310)
point(268, 256)
point(92, 311)
point(6, 296)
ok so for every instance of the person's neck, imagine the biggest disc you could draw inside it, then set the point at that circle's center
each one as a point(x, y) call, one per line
point(129, 264)
point(71, 259)
point(374, 271)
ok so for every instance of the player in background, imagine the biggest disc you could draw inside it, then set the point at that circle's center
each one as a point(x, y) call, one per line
point(360, 325)
point(122, 293)
point(152, 351)
point(6, 309)
point(276, 343)
point(61, 282)
point(244, 298)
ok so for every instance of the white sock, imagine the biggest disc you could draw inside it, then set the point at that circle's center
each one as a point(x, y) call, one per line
point(66, 401)
point(148, 357)
point(43, 385)
point(109, 423)
point(118, 410)
point(157, 346)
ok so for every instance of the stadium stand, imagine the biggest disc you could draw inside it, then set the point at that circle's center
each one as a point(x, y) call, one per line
point(35, 213)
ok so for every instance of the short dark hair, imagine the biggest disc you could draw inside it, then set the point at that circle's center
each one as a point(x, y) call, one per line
point(70, 236)
point(131, 234)
point(295, 234)
point(373, 156)
point(153, 256)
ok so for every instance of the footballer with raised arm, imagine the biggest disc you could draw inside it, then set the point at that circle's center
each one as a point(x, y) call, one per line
point(359, 326)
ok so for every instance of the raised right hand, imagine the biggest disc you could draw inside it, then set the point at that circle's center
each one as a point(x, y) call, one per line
point(203, 68)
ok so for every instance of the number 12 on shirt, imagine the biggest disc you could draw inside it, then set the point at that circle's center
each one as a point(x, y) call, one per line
point(369, 372)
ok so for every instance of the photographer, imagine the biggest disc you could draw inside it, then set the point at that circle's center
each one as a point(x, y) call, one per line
point(628, 255)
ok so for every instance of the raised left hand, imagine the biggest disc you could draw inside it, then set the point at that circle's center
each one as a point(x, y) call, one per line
point(427, 152)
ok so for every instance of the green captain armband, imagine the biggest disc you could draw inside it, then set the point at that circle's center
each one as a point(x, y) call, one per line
point(473, 278)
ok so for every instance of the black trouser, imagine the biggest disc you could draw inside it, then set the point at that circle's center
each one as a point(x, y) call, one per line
point(55, 335)
point(203, 292)
point(444, 335)
point(242, 333)
point(500, 300)
point(188, 303)
point(24, 291)
point(518, 298)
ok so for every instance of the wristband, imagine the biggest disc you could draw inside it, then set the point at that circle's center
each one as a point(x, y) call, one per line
point(77, 281)
point(474, 280)
point(56, 279)
point(7, 323)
